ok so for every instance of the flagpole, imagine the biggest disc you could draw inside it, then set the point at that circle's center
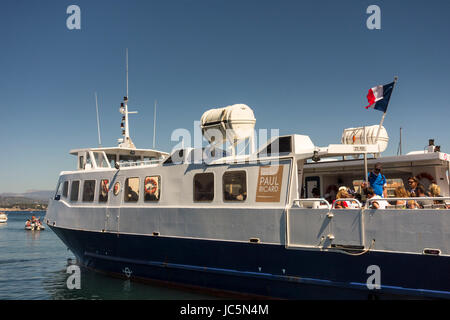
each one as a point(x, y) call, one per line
point(384, 114)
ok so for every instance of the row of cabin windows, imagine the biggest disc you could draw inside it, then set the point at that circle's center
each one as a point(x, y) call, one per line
point(234, 188)
point(151, 190)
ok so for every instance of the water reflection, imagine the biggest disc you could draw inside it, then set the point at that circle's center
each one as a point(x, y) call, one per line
point(99, 286)
point(32, 236)
point(33, 265)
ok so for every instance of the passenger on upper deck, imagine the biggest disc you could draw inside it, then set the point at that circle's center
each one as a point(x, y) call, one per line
point(381, 204)
point(412, 204)
point(345, 193)
point(315, 193)
point(413, 183)
point(377, 181)
point(435, 191)
point(421, 193)
point(342, 194)
point(400, 192)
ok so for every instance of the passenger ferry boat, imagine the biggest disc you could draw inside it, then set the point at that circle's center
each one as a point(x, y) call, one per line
point(248, 224)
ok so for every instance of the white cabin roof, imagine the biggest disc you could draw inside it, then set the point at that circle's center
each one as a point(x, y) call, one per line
point(425, 158)
point(119, 150)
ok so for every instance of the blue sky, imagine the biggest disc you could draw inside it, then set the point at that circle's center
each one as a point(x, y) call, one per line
point(303, 67)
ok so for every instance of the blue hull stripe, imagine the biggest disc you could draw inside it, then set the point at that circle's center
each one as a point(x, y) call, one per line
point(284, 273)
point(352, 285)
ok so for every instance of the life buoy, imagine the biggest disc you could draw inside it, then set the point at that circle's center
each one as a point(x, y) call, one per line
point(150, 185)
point(425, 175)
point(116, 188)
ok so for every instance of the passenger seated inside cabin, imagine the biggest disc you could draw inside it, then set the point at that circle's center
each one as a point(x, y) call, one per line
point(423, 203)
point(400, 192)
point(379, 204)
point(132, 195)
point(150, 197)
point(104, 186)
point(240, 196)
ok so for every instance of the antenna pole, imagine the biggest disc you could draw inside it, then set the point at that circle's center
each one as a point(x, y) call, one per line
point(127, 70)
point(126, 141)
point(98, 122)
point(154, 126)
point(399, 151)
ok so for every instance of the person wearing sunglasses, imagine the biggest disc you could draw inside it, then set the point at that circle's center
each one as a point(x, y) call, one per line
point(377, 181)
point(413, 183)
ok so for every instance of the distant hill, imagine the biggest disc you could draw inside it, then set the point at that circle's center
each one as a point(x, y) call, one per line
point(42, 195)
point(33, 199)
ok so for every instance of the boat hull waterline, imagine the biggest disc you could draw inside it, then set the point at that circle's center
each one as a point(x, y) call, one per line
point(258, 269)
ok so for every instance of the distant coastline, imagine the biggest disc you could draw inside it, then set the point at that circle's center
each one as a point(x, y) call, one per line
point(18, 209)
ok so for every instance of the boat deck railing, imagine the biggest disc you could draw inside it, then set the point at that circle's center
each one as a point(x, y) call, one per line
point(321, 203)
point(137, 163)
point(444, 202)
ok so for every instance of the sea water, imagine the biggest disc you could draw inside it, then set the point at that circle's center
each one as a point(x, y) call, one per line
point(33, 266)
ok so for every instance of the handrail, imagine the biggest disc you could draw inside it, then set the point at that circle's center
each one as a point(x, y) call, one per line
point(314, 200)
point(296, 202)
point(368, 201)
point(348, 199)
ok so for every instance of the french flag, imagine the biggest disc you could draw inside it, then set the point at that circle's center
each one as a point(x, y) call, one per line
point(378, 97)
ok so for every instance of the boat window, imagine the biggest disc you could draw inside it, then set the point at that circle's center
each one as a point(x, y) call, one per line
point(204, 187)
point(129, 158)
point(131, 190)
point(279, 146)
point(234, 186)
point(104, 189)
point(58, 190)
point(65, 189)
point(112, 160)
point(81, 162)
point(175, 158)
point(88, 190)
point(100, 160)
point(152, 188)
point(74, 190)
point(88, 161)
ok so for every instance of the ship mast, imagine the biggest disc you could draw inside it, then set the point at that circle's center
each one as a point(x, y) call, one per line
point(126, 141)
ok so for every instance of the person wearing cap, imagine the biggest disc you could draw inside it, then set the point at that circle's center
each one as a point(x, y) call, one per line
point(377, 181)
